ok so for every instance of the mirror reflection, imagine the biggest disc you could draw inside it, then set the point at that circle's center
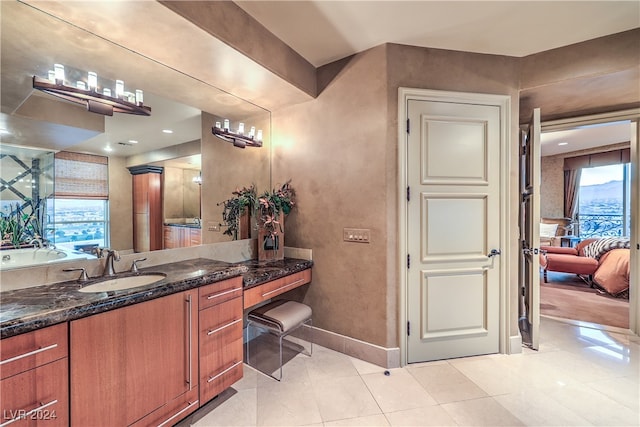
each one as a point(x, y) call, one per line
point(195, 170)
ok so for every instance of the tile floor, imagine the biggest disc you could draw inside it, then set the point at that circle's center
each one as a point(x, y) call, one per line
point(580, 377)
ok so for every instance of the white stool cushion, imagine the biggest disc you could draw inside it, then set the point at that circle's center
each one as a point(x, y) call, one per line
point(286, 314)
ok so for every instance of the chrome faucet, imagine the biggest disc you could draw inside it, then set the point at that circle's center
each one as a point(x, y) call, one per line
point(108, 265)
point(37, 243)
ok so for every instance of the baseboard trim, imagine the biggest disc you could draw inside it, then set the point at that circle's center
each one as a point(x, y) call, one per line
point(515, 344)
point(386, 357)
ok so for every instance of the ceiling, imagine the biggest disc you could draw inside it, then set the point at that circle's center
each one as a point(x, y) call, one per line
point(324, 31)
point(339, 29)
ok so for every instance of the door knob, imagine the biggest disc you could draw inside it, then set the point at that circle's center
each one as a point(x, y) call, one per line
point(493, 253)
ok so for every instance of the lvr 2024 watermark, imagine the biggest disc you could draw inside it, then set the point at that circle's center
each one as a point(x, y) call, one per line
point(23, 414)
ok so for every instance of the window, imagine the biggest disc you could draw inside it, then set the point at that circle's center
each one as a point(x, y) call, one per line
point(80, 207)
point(79, 224)
point(604, 207)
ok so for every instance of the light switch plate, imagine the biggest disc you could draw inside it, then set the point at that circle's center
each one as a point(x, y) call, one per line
point(360, 235)
point(212, 226)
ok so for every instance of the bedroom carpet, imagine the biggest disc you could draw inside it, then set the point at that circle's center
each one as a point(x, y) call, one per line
point(568, 297)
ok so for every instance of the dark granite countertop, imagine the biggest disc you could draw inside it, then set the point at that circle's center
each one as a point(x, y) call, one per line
point(265, 271)
point(25, 310)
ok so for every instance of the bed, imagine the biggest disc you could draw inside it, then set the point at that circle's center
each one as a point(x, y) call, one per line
point(603, 262)
point(613, 255)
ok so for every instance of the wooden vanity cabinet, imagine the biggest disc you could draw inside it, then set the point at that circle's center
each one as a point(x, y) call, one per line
point(137, 364)
point(34, 385)
point(221, 333)
point(180, 237)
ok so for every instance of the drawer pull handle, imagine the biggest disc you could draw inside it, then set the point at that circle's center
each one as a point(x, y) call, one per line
point(211, 332)
point(177, 414)
point(212, 296)
point(283, 287)
point(221, 373)
point(25, 415)
point(31, 353)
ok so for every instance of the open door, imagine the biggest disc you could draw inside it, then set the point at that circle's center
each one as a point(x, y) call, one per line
point(634, 277)
point(529, 271)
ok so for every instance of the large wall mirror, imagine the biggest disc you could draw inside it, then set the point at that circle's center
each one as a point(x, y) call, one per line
point(199, 170)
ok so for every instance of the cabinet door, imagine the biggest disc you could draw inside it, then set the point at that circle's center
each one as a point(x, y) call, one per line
point(195, 237)
point(129, 362)
point(37, 397)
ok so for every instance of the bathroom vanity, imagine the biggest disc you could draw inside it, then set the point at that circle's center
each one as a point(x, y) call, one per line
point(149, 355)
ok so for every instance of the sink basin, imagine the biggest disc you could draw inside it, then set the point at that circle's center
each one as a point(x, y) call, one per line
point(122, 283)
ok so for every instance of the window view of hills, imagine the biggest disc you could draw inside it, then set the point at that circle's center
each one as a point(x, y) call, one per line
point(604, 206)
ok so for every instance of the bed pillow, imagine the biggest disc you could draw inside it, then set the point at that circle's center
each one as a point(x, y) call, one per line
point(601, 246)
point(548, 230)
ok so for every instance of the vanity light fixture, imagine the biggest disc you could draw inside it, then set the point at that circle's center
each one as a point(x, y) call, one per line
point(238, 138)
point(198, 179)
point(88, 94)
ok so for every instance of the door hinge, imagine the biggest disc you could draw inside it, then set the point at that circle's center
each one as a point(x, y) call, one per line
point(408, 261)
point(408, 194)
point(408, 328)
point(408, 126)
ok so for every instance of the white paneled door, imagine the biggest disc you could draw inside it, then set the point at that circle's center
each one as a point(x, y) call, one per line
point(454, 220)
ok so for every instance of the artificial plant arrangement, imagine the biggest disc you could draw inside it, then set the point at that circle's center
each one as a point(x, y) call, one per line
point(271, 204)
point(23, 223)
point(243, 200)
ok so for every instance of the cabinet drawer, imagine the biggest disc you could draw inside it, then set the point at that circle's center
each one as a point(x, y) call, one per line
point(219, 292)
point(172, 412)
point(215, 384)
point(37, 397)
point(215, 320)
point(276, 287)
point(27, 351)
point(220, 350)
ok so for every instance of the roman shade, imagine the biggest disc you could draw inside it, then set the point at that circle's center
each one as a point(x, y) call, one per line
point(81, 176)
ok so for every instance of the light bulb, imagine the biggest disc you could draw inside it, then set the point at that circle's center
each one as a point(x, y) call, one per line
point(52, 76)
point(139, 97)
point(92, 80)
point(119, 88)
point(59, 72)
point(80, 85)
point(106, 91)
point(241, 129)
point(252, 132)
point(218, 125)
point(259, 136)
point(226, 124)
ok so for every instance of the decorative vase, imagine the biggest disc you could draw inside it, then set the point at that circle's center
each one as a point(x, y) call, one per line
point(271, 246)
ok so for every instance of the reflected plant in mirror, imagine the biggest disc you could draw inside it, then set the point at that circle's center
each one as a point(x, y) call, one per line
point(236, 211)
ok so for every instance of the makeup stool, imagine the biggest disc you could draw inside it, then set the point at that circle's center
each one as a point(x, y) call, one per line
point(279, 318)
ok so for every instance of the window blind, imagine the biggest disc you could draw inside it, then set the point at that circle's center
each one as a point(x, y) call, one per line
point(81, 176)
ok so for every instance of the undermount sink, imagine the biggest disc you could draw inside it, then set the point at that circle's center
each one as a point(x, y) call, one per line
point(122, 283)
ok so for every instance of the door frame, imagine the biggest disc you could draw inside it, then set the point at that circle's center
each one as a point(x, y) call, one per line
point(503, 102)
point(633, 115)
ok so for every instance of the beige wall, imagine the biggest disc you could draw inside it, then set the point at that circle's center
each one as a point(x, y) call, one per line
point(336, 151)
point(120, 204)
